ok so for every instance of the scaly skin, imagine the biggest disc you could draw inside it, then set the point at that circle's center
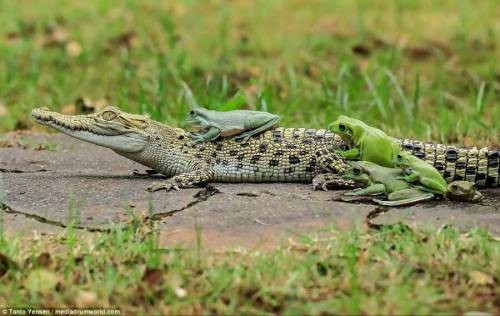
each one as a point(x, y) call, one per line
point(277, 155)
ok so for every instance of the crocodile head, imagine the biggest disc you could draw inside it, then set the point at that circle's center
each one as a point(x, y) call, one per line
point(111, 128)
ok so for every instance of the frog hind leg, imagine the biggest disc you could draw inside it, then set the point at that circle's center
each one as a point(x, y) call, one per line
point(434, 185)
point(405, 197)
point(427, 189)
point(374, 189)
point(410, 178)
point(209, 135)
point(256, 127)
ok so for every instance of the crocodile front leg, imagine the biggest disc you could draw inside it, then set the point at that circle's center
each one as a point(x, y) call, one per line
point(199, 174)
point(333, 166)
point(330, 161)
point(326, 181)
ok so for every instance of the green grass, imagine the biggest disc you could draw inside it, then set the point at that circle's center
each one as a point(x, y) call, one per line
point(396, 270)
point(425, 69)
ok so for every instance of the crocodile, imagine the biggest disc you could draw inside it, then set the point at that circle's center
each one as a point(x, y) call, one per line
point(276, 155)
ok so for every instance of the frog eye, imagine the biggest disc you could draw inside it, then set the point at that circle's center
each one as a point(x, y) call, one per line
point(454, 186)
point(109, 115)
point(342, 127)
point(399, 157)
point(356, 171)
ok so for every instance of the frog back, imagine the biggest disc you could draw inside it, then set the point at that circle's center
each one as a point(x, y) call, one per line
point(379, 148)
point(428, 171)
point(235, 122)
point(226, 120)
point(386, 176)
point(425, 169)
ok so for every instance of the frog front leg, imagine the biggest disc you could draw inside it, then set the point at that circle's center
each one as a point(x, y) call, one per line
point(256, 126)
point(409, 177)
point(351, 154)
point(211, 134)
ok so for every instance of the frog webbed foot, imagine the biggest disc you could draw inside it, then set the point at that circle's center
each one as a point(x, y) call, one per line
point(242, 138)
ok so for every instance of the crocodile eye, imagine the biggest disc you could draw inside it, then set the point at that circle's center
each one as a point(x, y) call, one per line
point(356, 171)
point(109, 115)
point(454, 186)
point(399, 157)
point(341, 127)
point(192, 112)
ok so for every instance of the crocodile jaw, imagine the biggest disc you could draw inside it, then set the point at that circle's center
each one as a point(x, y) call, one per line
point(87, 128)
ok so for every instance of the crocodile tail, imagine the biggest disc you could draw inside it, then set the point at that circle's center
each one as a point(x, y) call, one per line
point(480, 166)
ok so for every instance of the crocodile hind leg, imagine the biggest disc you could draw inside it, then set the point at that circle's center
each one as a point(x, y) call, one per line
point(405, 197)
point(197, 176)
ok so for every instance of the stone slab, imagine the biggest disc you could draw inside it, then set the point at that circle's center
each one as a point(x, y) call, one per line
point(438, 213)
point(95, 188)
point(257, 215)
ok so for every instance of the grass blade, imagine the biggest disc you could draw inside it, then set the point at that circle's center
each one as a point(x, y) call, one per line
point(400, 92)
point(188, 95)
point(416, 96)
point(378, 100)
point(480, 99)
point(234, 103)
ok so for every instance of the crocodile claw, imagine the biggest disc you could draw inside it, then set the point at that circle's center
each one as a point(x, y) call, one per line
point(167, 185)
point(320, 182)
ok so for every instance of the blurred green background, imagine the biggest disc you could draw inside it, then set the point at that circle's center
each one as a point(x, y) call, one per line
point(425, 69)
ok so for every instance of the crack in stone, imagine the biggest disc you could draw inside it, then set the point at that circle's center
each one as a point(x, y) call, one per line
point(7, 209)
point(247, 194)
point(258, 194)
point(200, 196)
point(3, 170)
point(379, 210)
